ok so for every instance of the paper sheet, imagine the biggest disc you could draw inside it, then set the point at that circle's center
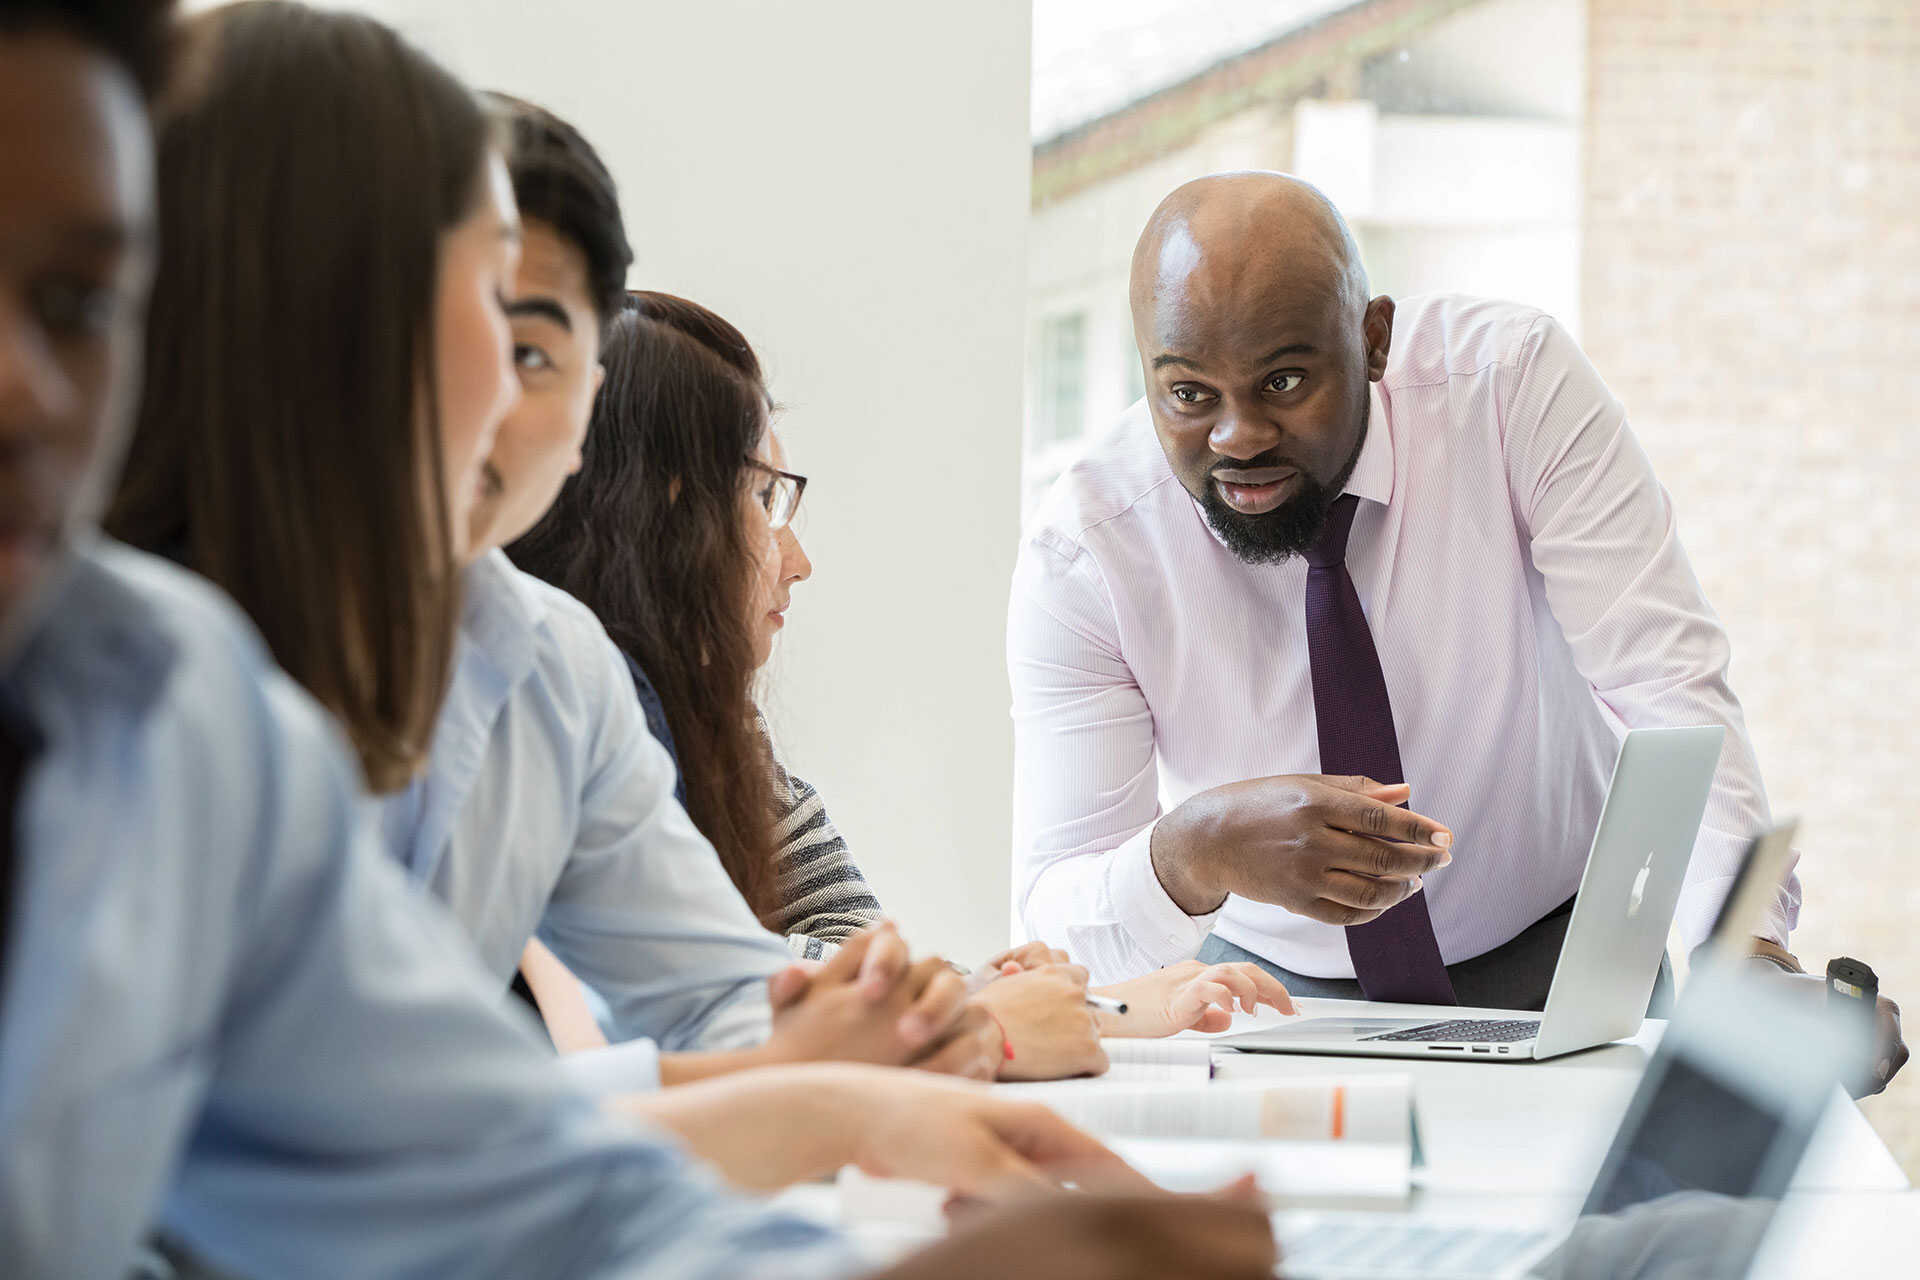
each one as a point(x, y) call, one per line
point(1173, 1061)
point(1265, 1019)
point(1291, 1170)
point(1371, 1108)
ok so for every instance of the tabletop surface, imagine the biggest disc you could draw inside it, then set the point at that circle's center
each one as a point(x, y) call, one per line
point(1543, 1127)
point(1521, 1141)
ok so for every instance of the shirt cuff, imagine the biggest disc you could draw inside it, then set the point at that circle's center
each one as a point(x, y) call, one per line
point(630, 1067)
point(743, 1022)
point(1702, 900)
point(1152, 919)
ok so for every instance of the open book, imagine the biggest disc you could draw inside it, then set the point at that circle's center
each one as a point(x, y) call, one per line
point(1321, 1142)
point(1339, 1137)
point(1170, 1061)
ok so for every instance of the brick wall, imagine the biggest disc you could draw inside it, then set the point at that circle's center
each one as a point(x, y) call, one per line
point(1751, 286)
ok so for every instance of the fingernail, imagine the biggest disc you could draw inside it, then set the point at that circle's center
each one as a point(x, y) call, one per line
point(1443, 839)
point(1445, 858)
point(1416, 884)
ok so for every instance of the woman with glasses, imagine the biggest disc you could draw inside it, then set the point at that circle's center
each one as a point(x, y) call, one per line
point(678, 531)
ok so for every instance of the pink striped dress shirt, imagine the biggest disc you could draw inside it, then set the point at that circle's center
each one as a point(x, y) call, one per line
point(1530, 600)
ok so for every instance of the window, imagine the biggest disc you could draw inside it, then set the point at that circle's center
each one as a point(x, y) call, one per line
point(1690, 189)
point(1061, 403)
point(1135, 384)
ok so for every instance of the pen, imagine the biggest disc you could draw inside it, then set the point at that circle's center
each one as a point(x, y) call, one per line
point(1106, 1004)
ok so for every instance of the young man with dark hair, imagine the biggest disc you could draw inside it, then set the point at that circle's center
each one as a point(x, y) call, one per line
point(560, 181)
point(221, 1012)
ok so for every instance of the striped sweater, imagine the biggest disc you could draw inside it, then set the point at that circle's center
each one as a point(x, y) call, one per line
point(824, 898)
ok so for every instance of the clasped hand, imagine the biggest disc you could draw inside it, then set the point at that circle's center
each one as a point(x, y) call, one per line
point(871, 1002)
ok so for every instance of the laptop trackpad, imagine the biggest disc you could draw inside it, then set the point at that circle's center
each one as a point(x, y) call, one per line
point(1322, 1029)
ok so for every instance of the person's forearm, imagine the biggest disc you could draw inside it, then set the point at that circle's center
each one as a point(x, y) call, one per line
point(1176, 838)
point(763, 1130)
point(1111, 904)
point(570, 1023)
point(1137, 1021)
point(692, 1068)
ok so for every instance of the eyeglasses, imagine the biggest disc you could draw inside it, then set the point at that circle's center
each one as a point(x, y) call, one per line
point(780, 495)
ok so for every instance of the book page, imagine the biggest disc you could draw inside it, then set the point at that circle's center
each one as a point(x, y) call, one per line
point(1367, 1109)
point(1158, 1061)
point(1289, 1170)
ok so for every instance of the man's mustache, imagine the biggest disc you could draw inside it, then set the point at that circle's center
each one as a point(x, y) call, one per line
point(1259, 462)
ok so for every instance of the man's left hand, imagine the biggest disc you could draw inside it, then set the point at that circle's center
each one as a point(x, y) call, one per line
point(1889, 1047)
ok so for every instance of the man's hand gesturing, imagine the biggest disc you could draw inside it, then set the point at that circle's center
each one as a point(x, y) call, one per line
point(1335, 849)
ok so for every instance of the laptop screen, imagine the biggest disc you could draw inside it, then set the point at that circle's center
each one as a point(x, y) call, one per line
point(1696, 1135)
point(1712, 1137)
point(1762, 868)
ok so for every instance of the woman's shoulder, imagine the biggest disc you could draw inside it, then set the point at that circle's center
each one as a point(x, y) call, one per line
point(650, 703)
point(787, 789)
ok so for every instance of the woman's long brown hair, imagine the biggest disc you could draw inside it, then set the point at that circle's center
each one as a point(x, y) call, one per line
point(648, 535)
point(307, 170)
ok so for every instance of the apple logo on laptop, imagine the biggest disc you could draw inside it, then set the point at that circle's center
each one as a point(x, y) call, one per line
point(1639, 887)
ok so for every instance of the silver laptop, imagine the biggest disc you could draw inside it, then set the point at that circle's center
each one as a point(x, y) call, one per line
point(1755, 885)
point(1614, 942)
point(1708, 1145)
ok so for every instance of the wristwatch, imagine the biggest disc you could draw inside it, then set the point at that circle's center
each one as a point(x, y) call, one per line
point(1777, 956)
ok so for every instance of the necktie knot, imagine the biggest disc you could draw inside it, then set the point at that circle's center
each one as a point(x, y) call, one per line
point(1331, 547)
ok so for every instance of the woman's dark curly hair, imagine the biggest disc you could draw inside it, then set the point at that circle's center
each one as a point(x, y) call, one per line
point(648, 534)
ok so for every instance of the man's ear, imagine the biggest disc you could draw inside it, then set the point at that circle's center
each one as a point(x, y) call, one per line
point(1377, 325)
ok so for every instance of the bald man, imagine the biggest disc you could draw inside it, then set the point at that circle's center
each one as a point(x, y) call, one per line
point(1401, 545)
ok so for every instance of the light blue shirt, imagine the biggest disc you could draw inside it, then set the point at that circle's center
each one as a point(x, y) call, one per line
point(548, 808)
point(227, 1015)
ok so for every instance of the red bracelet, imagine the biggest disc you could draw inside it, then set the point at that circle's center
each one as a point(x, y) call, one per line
point(1006, 1041)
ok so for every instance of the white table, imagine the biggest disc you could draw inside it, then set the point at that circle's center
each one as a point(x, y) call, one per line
point(1520, 1142)
point(1542, 1128)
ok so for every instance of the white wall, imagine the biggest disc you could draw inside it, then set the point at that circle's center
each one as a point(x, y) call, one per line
point(847, 181)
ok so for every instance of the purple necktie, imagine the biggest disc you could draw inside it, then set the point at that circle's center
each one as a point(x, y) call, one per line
point(1395, 955)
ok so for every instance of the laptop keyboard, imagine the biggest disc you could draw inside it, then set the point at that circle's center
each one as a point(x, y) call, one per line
point(1471, 1030)
point(1381, 1247)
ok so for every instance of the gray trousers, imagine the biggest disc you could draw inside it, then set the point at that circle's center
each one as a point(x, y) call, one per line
point(1514, 975)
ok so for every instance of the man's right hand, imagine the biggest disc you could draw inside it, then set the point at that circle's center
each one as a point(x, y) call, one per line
point(1334, 849)
point(1105, 1237)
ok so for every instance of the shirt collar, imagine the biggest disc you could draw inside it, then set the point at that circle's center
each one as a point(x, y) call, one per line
point(1372, 476)
point(97, 632)
point(501, 618)
point(501, 612)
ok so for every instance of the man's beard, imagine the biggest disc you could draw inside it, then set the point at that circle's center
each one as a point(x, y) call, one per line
point(1290, 528)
